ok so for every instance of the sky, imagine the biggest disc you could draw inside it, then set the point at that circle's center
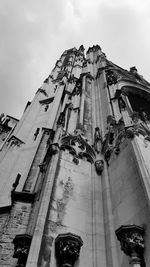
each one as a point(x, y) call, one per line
point(34, 34)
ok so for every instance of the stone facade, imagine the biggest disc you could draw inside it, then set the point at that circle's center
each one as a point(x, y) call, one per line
point(74, 171)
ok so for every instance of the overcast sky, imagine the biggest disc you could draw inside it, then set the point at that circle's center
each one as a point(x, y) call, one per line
point(34, 34)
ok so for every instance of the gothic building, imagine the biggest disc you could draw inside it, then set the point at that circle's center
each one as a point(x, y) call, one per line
point(75, 170)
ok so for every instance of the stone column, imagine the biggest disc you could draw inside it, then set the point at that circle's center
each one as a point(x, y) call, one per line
point(131, 238)
point(82, 102)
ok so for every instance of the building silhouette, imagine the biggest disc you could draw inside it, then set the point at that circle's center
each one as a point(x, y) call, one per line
point(75, 170)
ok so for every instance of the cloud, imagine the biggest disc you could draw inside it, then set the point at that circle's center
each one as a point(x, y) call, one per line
point(27, 30)
point(34, 33)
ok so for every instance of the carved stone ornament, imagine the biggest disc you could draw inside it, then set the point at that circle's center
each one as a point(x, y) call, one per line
point(117, 133)
point(78, 146)
point(111, 77)
point(21, 248)
point(67, 249)
point(131, 238)
point(99, 166)
point(113, 138)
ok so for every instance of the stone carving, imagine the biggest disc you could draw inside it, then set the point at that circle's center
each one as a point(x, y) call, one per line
point(117, 132)
point(111, 77)
point(67, 249)
point(21, 248)
point(54, 148)
point(78, 146)
point(113, 138)
point(99, 166)
point(131, 238)
point(141, 115)
point(139, 127)
point(97, 140)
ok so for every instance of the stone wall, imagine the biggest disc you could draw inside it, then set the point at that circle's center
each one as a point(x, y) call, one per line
point(129, 203)
point(11, 224)
point(76, 207)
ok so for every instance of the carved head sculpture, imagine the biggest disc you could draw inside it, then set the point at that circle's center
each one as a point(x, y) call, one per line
point(99, 166)
point(67, 249)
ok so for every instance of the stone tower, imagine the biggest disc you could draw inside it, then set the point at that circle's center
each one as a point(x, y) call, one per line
point(75, 170)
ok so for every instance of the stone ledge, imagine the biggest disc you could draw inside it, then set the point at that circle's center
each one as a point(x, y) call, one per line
point(22, 196)
point(5, 209)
